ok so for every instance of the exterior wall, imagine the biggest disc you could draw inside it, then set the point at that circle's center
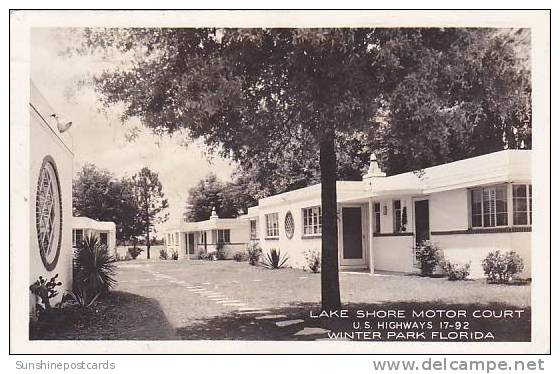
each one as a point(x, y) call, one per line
point(177, 244)
point(111, 237)
point(295, 247)
point(239, 238)
point(393, 253)
point(449, 212)
point(122, 250)
point(44, 142)
point(462, 248)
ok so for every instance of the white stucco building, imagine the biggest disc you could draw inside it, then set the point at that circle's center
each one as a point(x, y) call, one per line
point(469, 207)
point(188, 239)
point(105, 232)
point(50, 196)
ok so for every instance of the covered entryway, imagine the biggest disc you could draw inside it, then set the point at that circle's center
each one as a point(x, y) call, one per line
point(352, 249)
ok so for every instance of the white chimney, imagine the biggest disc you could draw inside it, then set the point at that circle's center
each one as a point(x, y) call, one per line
point(214, 214)
point(374, 170)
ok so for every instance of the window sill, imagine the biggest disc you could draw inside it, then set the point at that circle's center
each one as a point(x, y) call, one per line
point(485, 230)
point(312, 236)
point(272, 238)
point(393, 234)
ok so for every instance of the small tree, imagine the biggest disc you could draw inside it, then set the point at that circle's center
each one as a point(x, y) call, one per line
point(148, 192)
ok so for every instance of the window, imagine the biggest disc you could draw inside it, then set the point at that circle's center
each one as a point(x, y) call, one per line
point(272, 225)
point(289, 225)
point(77, 237)
point(377, 217)
point(522, 204)
point(48, 214)
point(103, 238)
point(176, 238)
point(253, 229)
point(489, 207)
point(168, 239)
point(223, 236)
point(312, 221)
point(397, 216)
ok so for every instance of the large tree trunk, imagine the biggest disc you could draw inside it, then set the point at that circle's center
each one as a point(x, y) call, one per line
point(330, 288)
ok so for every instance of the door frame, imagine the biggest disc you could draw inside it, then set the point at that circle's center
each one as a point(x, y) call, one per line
point(414, 200)
point(354, 262)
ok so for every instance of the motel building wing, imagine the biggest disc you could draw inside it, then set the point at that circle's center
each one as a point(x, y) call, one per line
point(190, 240)
point(468, 207)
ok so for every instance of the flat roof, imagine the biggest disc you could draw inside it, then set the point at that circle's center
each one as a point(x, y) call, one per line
point(89, 223)
point(209, 224)
point(502, 166)
point(497, 167)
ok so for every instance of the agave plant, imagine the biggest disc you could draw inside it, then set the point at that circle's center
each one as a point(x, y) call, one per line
point(274, 260)
point(80, 298)
point(95, 268)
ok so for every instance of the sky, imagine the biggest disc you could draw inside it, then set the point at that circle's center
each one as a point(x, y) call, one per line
point(101, 138)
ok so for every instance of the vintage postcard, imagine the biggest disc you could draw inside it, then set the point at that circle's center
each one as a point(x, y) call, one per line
point(280, 181)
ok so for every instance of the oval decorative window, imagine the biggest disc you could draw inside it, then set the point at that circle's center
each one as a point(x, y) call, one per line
point(48, 214)
point(289, 225)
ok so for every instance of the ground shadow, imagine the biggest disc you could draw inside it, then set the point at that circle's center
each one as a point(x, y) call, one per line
point(247, 327)
point(119, 316)
point(127, 316)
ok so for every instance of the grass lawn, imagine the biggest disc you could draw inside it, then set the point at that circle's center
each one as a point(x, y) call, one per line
point(195, 300)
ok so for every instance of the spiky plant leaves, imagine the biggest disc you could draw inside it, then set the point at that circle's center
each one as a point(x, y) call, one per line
point(274, 259)
point(95, 267)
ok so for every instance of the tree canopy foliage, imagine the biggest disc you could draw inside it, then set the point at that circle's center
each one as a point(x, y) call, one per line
point(229, 199)
point(98, 194)
point(283, 101)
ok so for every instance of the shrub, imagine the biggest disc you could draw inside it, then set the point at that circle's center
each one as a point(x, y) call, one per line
point(202, 255)
point(163, 254)
point(254, 253)
point(501, 267)
point(274, 260)
point(221, 253)
point(313, 258)
point(456, 271)
point(212, 256)
point(95, 269)
point(240, 256)
point(134, 252)
point(429, 255)
point(44, 290)
point(174, 255)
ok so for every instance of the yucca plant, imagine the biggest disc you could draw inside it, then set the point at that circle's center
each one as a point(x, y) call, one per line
point(95, 269)
point(274, 260)
point(81, 299)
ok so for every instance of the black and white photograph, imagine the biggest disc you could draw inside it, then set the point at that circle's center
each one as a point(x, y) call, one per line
point(347, 180)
